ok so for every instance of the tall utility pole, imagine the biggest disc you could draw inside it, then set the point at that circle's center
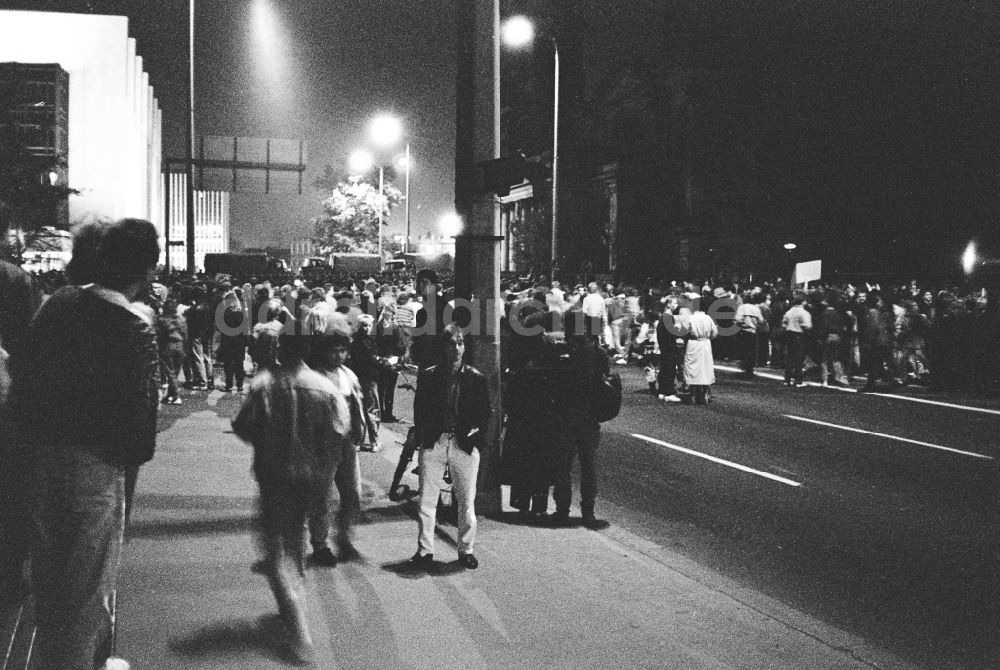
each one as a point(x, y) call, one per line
point(477, 249)
point(553, 267)
point(189, 169)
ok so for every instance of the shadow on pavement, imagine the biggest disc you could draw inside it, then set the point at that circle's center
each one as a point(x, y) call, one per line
point(407, 570)
point(236, 525)
point(263, 636)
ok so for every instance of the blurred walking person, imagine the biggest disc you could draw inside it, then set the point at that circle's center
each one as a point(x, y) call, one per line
point(289, 417)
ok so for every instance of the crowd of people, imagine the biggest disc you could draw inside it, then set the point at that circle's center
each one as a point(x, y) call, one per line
point(93, 351)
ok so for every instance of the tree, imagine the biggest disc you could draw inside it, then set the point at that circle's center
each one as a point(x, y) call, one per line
point(29, 202)
point(350, 215)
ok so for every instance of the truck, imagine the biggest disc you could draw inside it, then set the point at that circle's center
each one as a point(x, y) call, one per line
point(237, 265)
point(351, 264)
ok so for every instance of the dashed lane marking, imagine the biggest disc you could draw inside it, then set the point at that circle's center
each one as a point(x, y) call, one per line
point(891, 437)
point(714, 459)
point(939, 403)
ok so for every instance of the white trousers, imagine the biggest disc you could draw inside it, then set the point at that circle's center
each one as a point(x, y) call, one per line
point(464, 469)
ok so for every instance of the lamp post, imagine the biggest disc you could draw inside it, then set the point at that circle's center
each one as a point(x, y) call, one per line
point(384, 132)
point(518, 31)
point(405, 163)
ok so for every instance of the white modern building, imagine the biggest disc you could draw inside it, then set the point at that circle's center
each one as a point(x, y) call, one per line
point(114, 156)
point(211, 223)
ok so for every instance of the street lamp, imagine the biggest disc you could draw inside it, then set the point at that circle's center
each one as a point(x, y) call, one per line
point(404, 163)
point(384, 131)
point(969, 258)
point(518, 31)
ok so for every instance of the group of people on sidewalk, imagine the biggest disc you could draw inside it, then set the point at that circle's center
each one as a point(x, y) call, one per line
point(80, 376)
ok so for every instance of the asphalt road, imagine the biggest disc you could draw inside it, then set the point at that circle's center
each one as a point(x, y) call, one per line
point(892, 540)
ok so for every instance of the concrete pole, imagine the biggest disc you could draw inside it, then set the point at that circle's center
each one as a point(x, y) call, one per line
point(477, 249)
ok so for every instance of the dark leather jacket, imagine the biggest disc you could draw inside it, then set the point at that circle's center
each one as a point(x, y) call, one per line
point(474, 408)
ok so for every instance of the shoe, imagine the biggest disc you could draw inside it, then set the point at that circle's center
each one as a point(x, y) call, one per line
point(259, 567)
point(787, 383)
point(415, 471)
point(468, 561)
point(559, 519)
point(867, 389)
point(227, 389)
point(422, 561)
point(172, 400)
point(621, 361)
point(662, 397)
point(670, 398)
point(800, 385)
point(239, 390)
point(390, 419)
point(825, 384)
point(324, 557)
point(373, 448)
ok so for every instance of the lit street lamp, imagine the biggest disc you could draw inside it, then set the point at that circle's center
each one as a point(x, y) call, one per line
point(384, 131)
point(518, 31)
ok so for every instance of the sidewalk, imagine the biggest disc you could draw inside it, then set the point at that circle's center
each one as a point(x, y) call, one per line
point(559, 598)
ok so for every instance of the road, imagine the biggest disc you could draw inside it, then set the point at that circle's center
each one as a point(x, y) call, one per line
point(892, 540)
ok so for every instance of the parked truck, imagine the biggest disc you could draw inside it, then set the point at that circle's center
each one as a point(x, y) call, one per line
point(236, 265)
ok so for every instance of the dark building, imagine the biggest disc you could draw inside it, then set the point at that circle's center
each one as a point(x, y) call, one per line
point(34, 126)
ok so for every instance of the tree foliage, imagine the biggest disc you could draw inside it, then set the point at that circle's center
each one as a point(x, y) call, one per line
point(350, 215)
point(29, 202)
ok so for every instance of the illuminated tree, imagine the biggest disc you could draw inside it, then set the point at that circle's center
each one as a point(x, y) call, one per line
point(350, 215)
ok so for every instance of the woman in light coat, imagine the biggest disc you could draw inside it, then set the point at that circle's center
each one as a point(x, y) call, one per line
point(699, 366)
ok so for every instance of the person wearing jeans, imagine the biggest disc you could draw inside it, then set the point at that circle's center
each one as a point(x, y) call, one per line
point(85, 399)
point(451, 411)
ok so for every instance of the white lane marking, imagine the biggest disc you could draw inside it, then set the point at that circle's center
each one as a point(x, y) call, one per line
point(939, 403)
point(717, 460)
point(891, 437)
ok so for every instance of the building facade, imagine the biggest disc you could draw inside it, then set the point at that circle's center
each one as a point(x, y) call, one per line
point(113, 121)
point(211, 223)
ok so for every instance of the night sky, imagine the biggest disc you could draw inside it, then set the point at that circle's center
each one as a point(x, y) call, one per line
point(871, 123)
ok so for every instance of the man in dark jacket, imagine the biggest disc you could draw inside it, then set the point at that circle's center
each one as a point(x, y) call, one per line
point(85, 401)
point(19, 298)
point(451, 411)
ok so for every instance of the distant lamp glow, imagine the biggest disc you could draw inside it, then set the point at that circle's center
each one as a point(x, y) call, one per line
point(385, 130)
point(360, 162)
point(53, 177)
point(518, 31)
point(969, 258)
point(451, 225)
point(789, 246)
point(402, 162)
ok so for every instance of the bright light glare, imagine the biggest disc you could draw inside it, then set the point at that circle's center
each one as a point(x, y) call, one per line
point(518, 31)
point(403, 162)
point(790, 245)
point(451, 225)
point(969, 258)
point(360, 161)
point(385, 130)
